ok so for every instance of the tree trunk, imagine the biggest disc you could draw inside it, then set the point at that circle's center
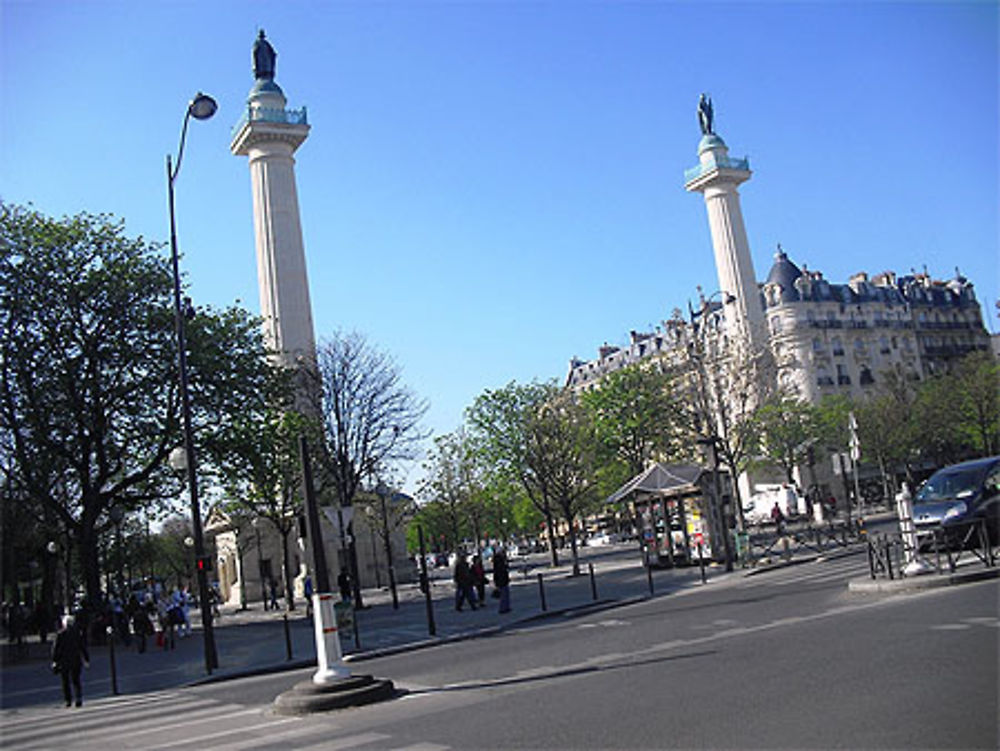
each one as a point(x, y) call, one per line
point(551, 528)
point(572, 543)
point(90, 567)
point(240, 577)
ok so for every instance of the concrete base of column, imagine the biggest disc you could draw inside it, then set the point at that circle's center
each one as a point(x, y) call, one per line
point(308, 697)
point(332, 686)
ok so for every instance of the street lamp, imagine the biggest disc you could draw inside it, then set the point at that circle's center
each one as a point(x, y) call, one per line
point(711, 444)
point(201, 107)
point(382, 491)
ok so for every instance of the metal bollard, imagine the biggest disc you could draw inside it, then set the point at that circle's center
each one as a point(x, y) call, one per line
point(649, 578)
point(111, 657)
point(425, 584)
point(288, 636)
point(593, 581)
point(541, 592)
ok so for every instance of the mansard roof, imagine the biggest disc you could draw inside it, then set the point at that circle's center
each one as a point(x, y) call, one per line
point(784, 273)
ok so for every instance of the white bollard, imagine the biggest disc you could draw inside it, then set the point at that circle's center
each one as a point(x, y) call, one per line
point(904, 509)
point(328, 653)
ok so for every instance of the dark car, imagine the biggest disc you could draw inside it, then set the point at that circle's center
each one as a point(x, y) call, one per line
point(957, 495)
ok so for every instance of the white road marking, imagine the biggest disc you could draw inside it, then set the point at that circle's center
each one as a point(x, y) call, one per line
point(351, 741)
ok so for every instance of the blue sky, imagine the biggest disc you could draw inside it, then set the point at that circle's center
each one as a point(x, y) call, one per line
point(492, 188)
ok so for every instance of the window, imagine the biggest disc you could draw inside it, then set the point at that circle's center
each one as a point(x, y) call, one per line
point(817, 345)
point(838, 348)
point(843, 379)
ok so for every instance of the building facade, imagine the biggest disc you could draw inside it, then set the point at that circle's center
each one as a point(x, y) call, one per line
point(820, 338)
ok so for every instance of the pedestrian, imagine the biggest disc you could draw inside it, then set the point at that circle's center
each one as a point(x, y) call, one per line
point(142, 626)
point(501, 579)
point(166, 622)
point(778, 518)
point(185, 603)
point(463, 583)
point(344, 585)
point(307, 590)
point(69, 655)
point(43, 620)
point(479, 577)
point(273, 586)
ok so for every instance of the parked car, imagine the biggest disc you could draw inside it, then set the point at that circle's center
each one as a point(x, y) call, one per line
point(956, 495)
point(602, 538)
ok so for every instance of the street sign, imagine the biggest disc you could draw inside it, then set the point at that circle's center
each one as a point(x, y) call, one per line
point(331, 514)
point(854, 443)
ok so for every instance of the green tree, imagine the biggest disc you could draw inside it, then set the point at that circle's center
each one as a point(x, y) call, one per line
point(636, 415)
point(499, 422)
point(261, 472)
point(561, 458)
point(977, 385)
point(88, 374)
point(785, 427)
point(448, 482)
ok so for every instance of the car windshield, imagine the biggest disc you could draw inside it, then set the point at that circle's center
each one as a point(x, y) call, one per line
point(951, 484)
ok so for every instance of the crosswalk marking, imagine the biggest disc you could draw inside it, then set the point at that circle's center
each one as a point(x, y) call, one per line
point(93, 717)
point(423, 747)
point(820, 570)
point(98, 727)
point(351, 741)
point(223, 733)
point(301, 728)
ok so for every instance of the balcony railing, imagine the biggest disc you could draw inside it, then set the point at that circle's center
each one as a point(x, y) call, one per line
point(719, 163)
point(266, 115)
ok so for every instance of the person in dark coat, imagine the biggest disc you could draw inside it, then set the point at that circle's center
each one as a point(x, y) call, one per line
point(69, 655)
point(501, 579)
point(344, 585)
point(463, 583)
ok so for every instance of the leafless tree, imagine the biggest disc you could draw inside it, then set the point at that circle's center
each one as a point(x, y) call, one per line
point(371, 420)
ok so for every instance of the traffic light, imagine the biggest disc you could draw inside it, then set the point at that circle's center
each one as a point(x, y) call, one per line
point(204, 563)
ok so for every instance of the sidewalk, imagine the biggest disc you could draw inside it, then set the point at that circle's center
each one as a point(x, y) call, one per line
point(255, 641)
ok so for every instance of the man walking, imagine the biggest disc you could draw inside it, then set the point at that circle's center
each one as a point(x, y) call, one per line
point(69, 654)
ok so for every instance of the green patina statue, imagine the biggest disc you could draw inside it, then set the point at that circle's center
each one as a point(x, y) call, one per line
point(705, 114)
point(264, 58)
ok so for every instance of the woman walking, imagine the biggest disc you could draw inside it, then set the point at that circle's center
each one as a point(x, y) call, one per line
point(69, 655)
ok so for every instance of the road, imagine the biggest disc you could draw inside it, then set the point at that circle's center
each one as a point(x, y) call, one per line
point(784, 659)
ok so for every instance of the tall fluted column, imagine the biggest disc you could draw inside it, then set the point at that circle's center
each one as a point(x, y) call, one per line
point(717, 177)
point(269, 135)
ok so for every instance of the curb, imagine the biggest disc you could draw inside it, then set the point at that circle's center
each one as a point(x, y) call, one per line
point(436, 641)
point(917, 583)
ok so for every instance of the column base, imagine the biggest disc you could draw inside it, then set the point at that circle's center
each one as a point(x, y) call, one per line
point(308, 697)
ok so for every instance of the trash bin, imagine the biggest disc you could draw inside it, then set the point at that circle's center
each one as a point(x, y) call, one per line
point(742, 546)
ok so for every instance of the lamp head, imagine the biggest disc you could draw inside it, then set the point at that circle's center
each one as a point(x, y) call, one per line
point(202, 106)
point(178, 459)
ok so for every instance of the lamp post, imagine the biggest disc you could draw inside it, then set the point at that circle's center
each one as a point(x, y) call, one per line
point(712, 441)
point(201, 107)
point(382, 491)
point(712, 444)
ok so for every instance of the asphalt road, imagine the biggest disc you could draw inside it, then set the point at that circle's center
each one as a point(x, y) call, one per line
point(784, 659)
